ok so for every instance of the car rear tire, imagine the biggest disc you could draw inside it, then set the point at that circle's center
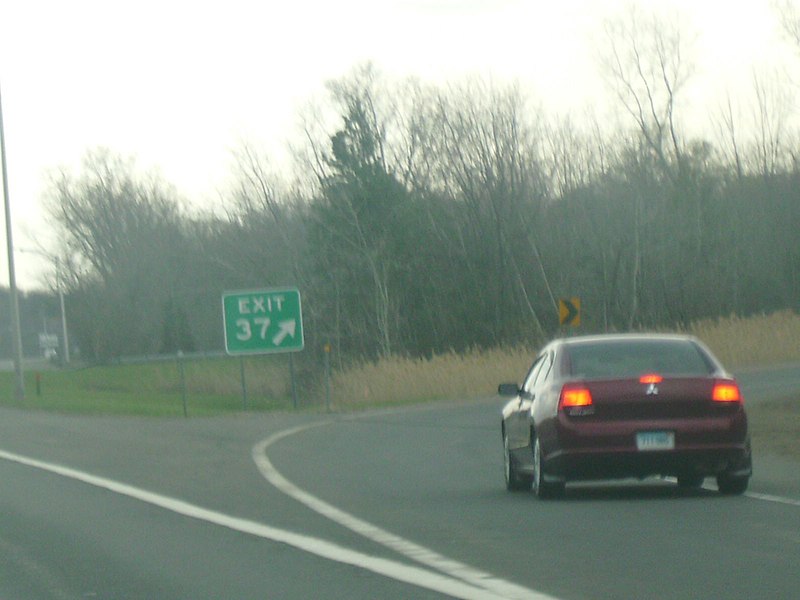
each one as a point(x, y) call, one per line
point(542, 488)
point(732, 486)
point(515, 482)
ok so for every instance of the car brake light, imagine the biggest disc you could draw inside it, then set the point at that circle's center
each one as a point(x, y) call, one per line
point(726, 391)
point(572, 396)
point(651, 378)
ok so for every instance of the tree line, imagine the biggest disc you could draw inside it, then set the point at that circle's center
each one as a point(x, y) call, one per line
point(419, 219)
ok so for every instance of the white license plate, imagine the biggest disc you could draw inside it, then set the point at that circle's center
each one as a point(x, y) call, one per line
point(655, 440)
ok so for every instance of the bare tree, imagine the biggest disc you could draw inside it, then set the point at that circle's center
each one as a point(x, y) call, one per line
point(264, 208)
point(577, 153)
point(771, 113)
point(489, 159)
point(755, 133)
point(789, 19)
point(646, 62)
point(122, 232)
point(727, 122)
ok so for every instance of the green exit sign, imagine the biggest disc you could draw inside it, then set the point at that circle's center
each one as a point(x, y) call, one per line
point(262, 321)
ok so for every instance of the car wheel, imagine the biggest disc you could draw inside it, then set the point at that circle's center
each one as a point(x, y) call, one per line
point(690, 481)
point(543, 489)
point(514, 481)
point(732, 486)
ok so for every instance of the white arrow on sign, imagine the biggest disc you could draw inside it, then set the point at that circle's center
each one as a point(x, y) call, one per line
point(287, 328)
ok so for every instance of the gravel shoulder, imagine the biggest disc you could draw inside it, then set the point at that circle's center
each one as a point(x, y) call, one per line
point(775, 430)
point(775, 427)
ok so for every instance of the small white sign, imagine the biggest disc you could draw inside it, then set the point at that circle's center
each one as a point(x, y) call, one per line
point(48, 341)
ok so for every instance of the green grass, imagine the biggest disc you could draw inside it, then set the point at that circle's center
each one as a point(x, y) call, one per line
point(212, 387)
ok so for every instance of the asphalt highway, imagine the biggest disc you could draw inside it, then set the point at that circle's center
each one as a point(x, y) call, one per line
point(387, 504)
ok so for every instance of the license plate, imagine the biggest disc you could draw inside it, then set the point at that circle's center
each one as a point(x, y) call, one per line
point(655, 440)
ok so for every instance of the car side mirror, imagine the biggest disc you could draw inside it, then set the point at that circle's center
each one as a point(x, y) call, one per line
point(508, 389)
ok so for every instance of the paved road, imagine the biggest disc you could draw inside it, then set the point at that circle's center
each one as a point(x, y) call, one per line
point(61, 538)
point(771, 383)
point(429, 481)
point(435, 478)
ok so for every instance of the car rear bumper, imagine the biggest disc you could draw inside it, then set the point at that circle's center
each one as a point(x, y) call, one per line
point(588, 463)
point(600, 449)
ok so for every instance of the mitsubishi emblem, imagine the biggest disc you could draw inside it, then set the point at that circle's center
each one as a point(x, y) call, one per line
point(652, 390)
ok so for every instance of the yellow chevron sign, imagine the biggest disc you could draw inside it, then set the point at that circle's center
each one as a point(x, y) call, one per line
point(569, 311)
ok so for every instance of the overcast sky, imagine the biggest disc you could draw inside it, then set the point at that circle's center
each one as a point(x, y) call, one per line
point(179, 84)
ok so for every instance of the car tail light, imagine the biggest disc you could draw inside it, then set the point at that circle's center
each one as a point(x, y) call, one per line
point(574, 395)
point(726, 392)
point(651, 378)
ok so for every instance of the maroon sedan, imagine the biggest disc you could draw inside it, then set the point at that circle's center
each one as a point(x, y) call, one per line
point(618, 406)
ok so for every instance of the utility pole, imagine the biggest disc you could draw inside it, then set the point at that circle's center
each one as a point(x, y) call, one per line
point(12, 279)
point(64, 337)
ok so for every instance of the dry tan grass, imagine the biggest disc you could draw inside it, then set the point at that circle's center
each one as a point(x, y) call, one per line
point(754, 341)
point(214, 376)
point(761, 340)
point(402, 380)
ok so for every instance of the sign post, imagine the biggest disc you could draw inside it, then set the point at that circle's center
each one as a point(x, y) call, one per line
point(262, 321)
point(327, 349)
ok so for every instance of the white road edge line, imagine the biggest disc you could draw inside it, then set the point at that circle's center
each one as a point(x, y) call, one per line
point(752, 495)
point(771, 498)
point(420, 554)
point(387, 568)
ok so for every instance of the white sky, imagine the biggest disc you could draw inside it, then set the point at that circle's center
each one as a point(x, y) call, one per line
point(179, 84)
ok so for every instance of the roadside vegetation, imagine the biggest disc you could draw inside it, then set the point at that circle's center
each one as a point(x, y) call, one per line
point(775, 427)
point(192, 387)
point(739, 343)
point(752, 342)
point(213, 386)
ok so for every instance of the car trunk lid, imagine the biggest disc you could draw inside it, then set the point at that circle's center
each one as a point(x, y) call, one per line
point(650, 397)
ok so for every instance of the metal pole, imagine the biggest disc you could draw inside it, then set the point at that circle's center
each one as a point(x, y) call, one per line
point(12, 279)
point(64, 337)
point(327, 349)
point(294, 381)
point(244, 383)
point(182, 373)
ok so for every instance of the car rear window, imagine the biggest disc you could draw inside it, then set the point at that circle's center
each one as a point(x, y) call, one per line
point(631, 358)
